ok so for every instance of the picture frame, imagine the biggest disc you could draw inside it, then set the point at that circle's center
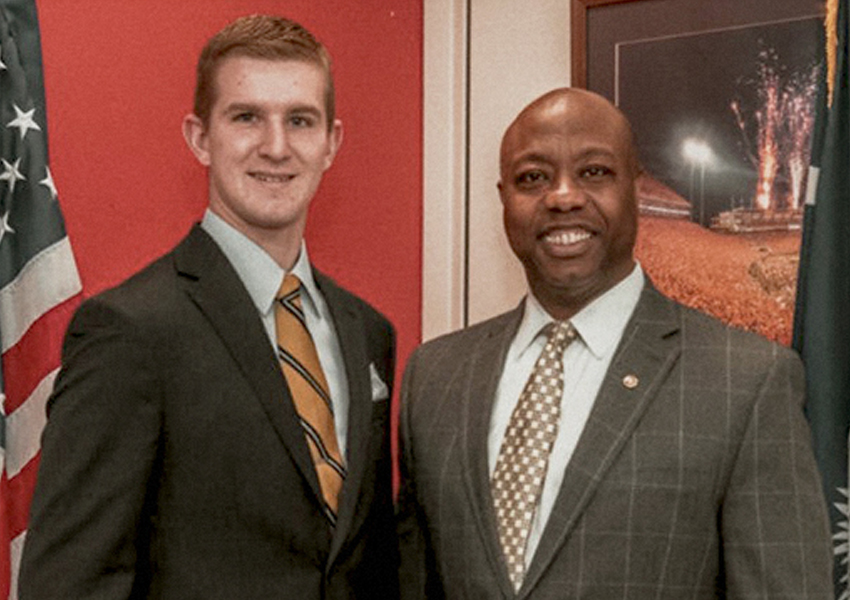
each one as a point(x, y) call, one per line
point(720, 234)
point(596, 26)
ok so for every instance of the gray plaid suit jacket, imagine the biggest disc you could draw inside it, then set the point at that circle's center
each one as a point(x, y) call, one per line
point(698, 483)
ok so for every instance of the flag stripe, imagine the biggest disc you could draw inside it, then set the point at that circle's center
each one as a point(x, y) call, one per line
point(27, 423)
point(20, 491)
point(36, 355)
point(38, 277)
point(16, 548)
point(50, 278)
point(5, 538)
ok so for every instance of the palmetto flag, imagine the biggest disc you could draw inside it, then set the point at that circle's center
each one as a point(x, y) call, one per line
point(822, 314)
point(39, 284)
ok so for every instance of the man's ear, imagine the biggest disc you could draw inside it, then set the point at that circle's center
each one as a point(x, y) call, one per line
point(334, 142)
point(501, 189)
point(195, 134)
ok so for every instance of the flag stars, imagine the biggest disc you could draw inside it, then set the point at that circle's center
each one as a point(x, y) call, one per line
point(4, 226)
point(48, 183)
point(24, 121)
point(11, 173)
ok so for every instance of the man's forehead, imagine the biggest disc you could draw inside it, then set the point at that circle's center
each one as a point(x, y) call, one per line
point(553, 134)
point(251, 79)
point(250, 65)
point(253, 62)
point(569, 114)
point(566, 119)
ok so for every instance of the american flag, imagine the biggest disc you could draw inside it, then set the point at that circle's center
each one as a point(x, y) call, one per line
point(39, 283)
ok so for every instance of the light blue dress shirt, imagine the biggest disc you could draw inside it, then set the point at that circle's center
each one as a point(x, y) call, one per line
point(262, 277)
point(600, 326)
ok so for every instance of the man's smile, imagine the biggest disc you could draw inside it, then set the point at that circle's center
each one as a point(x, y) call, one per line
point(266, 177)
point(566, 241)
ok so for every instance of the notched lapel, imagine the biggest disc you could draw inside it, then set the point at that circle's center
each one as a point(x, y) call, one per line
point(350, 330)
point(216, 289)
point(486, 363)
point(648, 351)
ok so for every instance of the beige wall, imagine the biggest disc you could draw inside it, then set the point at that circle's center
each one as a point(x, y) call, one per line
point(484, 61)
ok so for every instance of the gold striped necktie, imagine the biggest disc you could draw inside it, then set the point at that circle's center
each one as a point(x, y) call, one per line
point(310, 393)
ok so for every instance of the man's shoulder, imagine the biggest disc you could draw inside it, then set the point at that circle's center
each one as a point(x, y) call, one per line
point(496, 330)
point(335, 294)
point(150, 283)
point(700, 330)
point(146, 296)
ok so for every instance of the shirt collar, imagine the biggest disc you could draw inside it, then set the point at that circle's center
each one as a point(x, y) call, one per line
point(600, 324)
point(258, 271)
point(304, 272)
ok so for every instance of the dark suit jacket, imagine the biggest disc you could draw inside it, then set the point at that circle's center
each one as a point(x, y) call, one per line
point(173, 465)
point(697, 483)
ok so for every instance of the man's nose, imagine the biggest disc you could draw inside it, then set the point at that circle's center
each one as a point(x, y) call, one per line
point(565, 195)
point(275, 142)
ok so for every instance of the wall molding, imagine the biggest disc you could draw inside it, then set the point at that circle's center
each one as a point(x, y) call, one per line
point(444, 184)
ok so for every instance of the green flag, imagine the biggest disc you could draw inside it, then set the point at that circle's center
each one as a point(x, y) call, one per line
point(822, 313)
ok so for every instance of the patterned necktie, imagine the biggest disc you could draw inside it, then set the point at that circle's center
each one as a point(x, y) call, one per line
point(524, 456)
point(309, 390)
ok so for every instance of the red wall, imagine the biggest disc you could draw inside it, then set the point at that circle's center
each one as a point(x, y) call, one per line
point(119, 76)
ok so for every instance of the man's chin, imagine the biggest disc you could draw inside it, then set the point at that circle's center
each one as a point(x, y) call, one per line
point(569, 292)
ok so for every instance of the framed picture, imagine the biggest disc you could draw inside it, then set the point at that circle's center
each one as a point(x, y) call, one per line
point(721, 98)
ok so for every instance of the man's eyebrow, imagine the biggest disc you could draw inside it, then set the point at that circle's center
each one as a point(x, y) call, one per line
point(241, 107)
point(531, 157)
point(305, 108)
point(251, 107)
point(594, 152)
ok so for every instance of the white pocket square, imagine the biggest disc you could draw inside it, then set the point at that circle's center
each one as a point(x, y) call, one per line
point(380, 391)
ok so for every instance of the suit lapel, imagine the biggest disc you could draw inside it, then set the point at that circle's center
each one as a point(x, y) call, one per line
point(213, 285)
point(647, 351)
point(352, 340)
point(485, 369)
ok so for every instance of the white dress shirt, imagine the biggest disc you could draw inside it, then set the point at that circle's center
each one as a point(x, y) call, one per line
point(262, 277)
point(600, 326)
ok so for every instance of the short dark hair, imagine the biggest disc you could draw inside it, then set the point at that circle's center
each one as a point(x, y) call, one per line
point(260, 36)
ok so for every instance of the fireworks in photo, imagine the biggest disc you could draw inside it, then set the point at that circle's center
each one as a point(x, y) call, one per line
point(723, 121)
point(783, 123)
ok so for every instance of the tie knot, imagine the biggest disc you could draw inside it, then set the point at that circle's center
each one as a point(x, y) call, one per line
point(560, 333)
point(290, 287)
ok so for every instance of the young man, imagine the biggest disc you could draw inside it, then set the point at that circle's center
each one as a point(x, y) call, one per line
point(653, 453)
point(219, 428)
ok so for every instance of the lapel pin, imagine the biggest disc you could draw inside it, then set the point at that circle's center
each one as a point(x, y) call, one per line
point(630, 381)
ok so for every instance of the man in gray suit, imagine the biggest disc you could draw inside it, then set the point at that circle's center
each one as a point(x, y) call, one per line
point(220, 425)
point(600, 440)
